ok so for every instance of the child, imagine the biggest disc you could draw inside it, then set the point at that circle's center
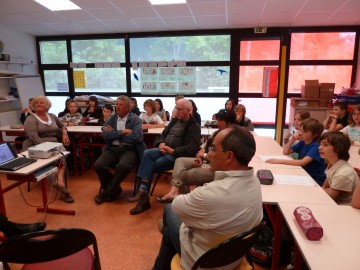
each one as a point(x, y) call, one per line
point(299, 117)
point(308, 150)
point(160, 109)
point(341, 178)
point(338, 118)
point(72, 118)
point(106, 112)
point(149, 118)
point(93, 110)
point(66, 110)
point(241, 119)
point(134, 107)
point(353, 129)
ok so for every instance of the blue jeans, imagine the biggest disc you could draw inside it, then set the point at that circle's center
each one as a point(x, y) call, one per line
point(153, 161)
point(170, 243)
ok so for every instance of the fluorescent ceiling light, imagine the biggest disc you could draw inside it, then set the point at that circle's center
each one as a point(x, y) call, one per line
point(167, 2)
point(56, 5)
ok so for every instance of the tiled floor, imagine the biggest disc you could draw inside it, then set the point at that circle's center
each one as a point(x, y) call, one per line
point(125, 241)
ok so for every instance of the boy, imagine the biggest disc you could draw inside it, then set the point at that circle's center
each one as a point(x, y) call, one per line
point(341, 178)
point(308, 150)
point(338, 118)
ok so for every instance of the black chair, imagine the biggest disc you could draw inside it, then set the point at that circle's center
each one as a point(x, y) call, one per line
point(52, 249)
point(226, 252)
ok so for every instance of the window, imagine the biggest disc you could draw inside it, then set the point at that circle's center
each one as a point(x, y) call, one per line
point(322, 46)
point(56, 81)
point(53, 52)
point(259, 50)
point(251, 79)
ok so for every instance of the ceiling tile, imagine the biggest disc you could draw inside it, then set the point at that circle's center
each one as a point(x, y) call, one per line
point(90, 4)
point(173, 10)
point(139, 12)
point(147, 24)
point(216, 8)
point(213, 22)
point(106, 13)
point(75, 15)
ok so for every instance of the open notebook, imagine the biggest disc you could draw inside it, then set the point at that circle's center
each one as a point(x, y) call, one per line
point(9, 160)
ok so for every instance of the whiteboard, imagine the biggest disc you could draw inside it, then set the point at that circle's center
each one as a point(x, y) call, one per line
point(28, 86)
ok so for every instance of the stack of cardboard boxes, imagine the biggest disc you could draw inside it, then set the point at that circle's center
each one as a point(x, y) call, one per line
point(314, 94)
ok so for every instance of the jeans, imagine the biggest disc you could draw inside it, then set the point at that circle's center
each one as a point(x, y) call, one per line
point(153, 161)
point(170, 243)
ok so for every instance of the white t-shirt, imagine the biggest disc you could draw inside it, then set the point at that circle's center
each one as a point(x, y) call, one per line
point(153, 119)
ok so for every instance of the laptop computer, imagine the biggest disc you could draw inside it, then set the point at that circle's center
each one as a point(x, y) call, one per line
point(9, 160)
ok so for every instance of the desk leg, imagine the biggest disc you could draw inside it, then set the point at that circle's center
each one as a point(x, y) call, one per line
point(298, 259)
point(2, 202)
point(276, 220)
point(73, 142)
point(46, 208)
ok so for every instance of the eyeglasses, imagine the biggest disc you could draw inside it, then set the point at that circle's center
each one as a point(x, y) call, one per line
point(179, 109)
point(213, 149)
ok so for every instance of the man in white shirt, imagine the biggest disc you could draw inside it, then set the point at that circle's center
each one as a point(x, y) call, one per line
point(216, 211)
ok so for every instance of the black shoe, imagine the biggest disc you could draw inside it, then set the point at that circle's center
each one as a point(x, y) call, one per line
point(100, 198)
point(26, 228)
point(142, 206)
point(161, 200)
point(113, 195)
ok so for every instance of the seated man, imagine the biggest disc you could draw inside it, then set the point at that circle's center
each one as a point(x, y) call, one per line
point(123, 147)
point(181, 138)
point(10, 229)
point(210, 214)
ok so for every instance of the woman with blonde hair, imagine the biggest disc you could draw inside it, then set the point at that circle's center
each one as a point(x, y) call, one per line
point(43, 126)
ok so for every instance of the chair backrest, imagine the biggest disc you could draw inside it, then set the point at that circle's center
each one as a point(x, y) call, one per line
point(45, 246)
point(230, 250)
point(167, 116)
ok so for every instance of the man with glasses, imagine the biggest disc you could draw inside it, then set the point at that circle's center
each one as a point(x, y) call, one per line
point(210, 214)
point(181, 138)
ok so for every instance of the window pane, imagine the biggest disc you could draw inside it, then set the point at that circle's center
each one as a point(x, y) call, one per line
point(322, 46)
point(58, 104)
point(251, 78)
point(208, 80)
point(340, 75)
point(188, 48)
point(259, 50)
point(56, 81)
point(99, 80)
point(53, 52)
point(260, 110)
point(98, 50)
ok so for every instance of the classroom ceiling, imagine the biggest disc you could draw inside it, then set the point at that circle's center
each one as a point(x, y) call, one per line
point(126, 16)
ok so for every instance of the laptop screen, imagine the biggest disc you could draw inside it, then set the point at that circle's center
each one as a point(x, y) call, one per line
point(6, 153)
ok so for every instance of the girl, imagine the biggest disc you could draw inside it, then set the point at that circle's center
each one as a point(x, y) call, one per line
point(241, 119)
point(134, 107)
point(160, 109)
point(353, 128)
point(93, 110)
point(149, 118)
point(194, 112)
point(106, 112)
point(72, 118)
point(341, 178)
point(299, 117)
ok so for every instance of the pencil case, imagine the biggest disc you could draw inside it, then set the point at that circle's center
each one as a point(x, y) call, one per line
point(307, 222)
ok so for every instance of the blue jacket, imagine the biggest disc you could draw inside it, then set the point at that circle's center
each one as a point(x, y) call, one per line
point(136, 138)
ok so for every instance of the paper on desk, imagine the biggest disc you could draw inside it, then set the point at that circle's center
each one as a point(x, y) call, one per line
point(265, 158)
point(301, 180)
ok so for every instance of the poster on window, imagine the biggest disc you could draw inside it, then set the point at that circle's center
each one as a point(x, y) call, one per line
point(149, 74)
point(167, 74)
point(149, 88)
point(186, 74)
point(187, 88)
point(168, 88)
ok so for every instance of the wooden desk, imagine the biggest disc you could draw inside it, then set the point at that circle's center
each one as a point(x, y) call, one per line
point(11, 132)
point(338, 248)
point(27, 174)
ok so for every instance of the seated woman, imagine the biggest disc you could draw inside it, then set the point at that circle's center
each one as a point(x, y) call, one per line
point(241, 119)
point(134, 106)
point(41, 127)
point(229, 106)
point(93, 110)
point(66, 110)
point(160, 109)
point(194, 112)
point(149, 118)
point(188, 171)
point(72, 118)
point(106, 112)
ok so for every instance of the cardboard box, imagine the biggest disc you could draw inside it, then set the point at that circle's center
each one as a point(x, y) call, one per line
point(327, 88)
point(302, 102)
point(326, 95)
point(310, 90)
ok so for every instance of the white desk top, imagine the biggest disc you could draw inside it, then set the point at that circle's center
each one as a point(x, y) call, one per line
point(40, 163)
point(8, 128)
point(354, 156)
point(339, 246)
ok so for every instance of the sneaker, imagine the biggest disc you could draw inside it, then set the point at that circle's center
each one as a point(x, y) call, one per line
point(66, 197)
point(100, 198)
